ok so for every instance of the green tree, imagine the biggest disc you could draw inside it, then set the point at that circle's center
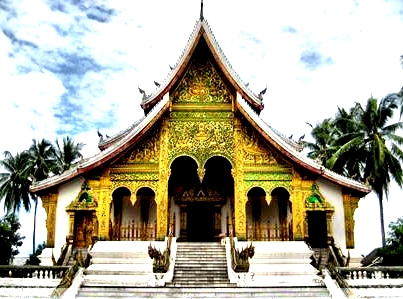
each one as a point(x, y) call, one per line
point(372, 147)
point(43, 163)
point(68, 153)
point(15, 182)
point(392, 253)
point(34, 257)
point(322, 148)
point(10, 239)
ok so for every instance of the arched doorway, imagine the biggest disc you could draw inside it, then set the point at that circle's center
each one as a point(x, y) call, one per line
point(133, 219)
point(146, 222)
point(199, 196)
point(268, 222)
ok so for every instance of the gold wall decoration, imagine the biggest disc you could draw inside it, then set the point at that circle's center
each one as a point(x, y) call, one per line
point(300, 191)
point(201, 83)
point(350, 204)
point(103, 210)
point(268, 176)
point(240, 197)
point(145, 151)
point(133, 187)
point(139, 176)
point(49, 203)
point(256, 152)
point(162, 184)
point(201, 139)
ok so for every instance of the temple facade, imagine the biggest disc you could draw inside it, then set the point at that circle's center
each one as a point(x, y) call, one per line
point(200, 164)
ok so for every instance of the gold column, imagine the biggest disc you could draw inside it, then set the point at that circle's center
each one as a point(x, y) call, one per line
point(70, 236)
point(103, 209)
point(329, 215)
point(49, 203)
point(350, 203)
point(297, 214)
point(240, 196)
point(162, 188)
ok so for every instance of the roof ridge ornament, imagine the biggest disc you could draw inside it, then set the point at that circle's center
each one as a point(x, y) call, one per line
point(201, 10)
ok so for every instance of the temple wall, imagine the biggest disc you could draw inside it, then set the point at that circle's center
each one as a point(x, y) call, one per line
point(67, 193)
point(333, 195)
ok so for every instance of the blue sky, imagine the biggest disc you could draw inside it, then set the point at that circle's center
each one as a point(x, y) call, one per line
point(69, 67)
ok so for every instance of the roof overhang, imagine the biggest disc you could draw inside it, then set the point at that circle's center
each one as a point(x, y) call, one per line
point(295, 156)
point(111, 152)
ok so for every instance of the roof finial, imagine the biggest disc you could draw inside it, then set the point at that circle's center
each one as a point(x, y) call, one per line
point(201, 11)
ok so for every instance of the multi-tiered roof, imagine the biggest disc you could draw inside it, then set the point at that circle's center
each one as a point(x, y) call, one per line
point(155, 105)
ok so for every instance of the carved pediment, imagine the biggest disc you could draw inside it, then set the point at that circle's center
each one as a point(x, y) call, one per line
point(145, 151)
point(255, 152)
point(84, 201)
point(316, 202)
point(202, 84)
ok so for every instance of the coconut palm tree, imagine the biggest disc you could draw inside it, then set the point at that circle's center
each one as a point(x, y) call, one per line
point(15, 182)
point(68, 153)
point(324, 135)
point(372, 147)
point(43, 163)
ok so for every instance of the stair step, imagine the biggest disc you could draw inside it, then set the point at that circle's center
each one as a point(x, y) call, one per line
point(183, 291)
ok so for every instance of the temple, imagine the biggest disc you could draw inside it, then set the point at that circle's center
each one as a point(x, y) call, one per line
point(201, 164)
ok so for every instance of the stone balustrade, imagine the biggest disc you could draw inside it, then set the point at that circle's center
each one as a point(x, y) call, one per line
point(40, 272)
point(380, 272)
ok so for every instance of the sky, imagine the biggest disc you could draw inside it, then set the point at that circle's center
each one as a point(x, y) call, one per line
point(70, 67)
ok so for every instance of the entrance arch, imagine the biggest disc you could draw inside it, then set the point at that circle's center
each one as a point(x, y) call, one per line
point(272, 221)
point(132, 219)
point(200, 196)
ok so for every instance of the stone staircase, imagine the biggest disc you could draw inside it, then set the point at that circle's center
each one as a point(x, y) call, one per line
point(200, 265)
point(200, 271)
point(272, 292)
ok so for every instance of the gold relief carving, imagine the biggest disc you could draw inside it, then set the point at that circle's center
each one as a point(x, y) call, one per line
point(350, 204)
point(201, 115)
point(240, 197)
point(133, 186)
point(162, 184)
point(103, 209)
point(268, 176)
point(200, 173)
point(147, 176)
point(202, 84)
point(298, 195)
point(49, 203)
point(268, 187)
point(201, 139)
point(255, 153)
point(145, 151)
point(71, 224)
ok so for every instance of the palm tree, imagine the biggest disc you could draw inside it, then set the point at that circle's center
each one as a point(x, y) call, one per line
point(68, 153)
point(43, 163)
point(322, 148)
point(14, 184)
point(372, 147)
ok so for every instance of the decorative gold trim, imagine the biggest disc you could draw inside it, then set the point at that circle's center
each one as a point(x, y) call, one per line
point(49, 203)
point(350, 204)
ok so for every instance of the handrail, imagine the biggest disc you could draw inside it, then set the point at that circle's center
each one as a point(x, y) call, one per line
point(343, 284)
point(69, 275)
point(378, 272)
point(332, 267)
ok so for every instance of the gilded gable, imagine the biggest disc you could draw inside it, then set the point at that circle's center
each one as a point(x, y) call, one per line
point(202, 82)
